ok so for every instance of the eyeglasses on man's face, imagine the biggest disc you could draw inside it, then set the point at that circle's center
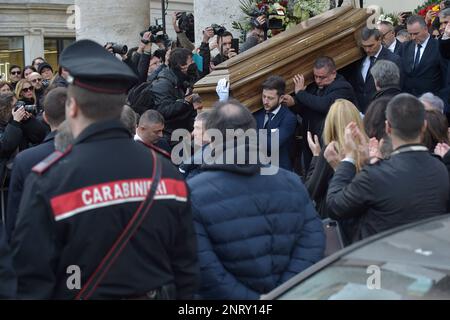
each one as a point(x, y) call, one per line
point(15, 73)
point(36, 80)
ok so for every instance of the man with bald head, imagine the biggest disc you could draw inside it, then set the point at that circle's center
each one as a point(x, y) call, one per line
point(246, 253)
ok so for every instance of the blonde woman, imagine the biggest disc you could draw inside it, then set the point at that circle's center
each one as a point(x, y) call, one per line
point(341, 113)
point(25, 92)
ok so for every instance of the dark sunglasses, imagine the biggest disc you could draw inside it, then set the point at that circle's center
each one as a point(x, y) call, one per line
point(16, 72)
point(27, 89)
point(36, 80)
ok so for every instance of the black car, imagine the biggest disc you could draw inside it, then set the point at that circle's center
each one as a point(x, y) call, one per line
point(409, 262)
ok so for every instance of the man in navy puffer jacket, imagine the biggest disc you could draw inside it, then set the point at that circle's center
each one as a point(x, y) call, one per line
point(254, 231)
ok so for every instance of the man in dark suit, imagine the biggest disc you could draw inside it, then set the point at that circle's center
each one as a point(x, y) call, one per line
point(313, 102)
point(424, 68)
point(277, 117)
point(54, 115)
point(411, 185)
point(388, 37)
point(358, 73)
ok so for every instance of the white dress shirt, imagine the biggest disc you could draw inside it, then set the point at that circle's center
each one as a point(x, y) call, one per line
point(366, 64)
point(422, 50)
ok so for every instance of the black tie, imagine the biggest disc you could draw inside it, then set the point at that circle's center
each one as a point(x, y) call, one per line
point(373, 59)
point(417, 59)
point(269, 117)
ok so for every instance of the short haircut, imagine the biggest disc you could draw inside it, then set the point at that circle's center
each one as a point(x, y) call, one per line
point(367, 33)
point(230, 115)
point(436, 102)
point(375, 118)
point(416, 19)
point(129, 119)
point(14, 66)
point(386, 74)
point(54, 106)
point(151, 117)
point(325, 62)
point(178, 57)
point(275, 83)
point(97, 106)
point(445, 13)
point(406, 116)
point(161, 54)
point(387, 24)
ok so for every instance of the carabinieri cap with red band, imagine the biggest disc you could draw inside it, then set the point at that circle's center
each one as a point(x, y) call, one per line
point(93, 68)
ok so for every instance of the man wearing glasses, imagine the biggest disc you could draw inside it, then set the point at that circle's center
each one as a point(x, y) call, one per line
point(36, 80)
point(15, 74)
point(388, 37)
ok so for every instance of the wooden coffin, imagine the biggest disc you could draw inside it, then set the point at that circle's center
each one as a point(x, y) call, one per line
point(334, 33)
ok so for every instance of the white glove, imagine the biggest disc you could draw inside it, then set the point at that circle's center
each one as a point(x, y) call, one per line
point(223, 89)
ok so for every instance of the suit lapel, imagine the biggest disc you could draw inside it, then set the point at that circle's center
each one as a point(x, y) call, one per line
point(426, 53)
point(276, 121)
point(260, 119)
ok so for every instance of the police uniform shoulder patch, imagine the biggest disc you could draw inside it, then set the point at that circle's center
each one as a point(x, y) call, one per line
point(48, 162)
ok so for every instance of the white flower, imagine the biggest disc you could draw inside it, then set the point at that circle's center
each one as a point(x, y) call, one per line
point(385, 18)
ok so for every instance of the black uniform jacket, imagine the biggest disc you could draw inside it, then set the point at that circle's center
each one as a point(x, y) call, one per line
point(75, 209)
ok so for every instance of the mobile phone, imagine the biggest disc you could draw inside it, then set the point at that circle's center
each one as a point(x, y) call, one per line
point(235, 45)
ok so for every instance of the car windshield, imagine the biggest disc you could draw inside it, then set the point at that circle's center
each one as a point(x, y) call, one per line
point(411, 264)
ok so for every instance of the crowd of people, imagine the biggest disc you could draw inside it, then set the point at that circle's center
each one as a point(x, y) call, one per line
point(88, 179)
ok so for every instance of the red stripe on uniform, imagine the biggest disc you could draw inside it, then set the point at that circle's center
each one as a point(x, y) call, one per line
point(114, 193)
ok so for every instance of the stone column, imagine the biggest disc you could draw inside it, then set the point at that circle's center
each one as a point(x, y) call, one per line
point(112, 21)
point(33, 45)
point(222, 12)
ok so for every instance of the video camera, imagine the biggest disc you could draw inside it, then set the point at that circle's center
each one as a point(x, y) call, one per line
point(272, 22)
point(218, 30)
point(28, 108)
point(156, 35)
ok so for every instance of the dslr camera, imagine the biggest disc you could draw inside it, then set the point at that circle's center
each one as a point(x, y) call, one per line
point(118, 48)
point(272, 22)
point(218, 30)
point(27, 107)
point(155, 37)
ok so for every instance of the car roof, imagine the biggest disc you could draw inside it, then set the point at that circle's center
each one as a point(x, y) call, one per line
point(390, 246)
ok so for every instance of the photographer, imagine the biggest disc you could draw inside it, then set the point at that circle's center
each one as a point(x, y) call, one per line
point(183, 25)
point(205, 52)
point(172, 91)
point(17, 129)
point(256, 35)
point(224, 40)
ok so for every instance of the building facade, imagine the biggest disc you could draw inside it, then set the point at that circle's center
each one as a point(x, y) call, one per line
point(30, 29)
